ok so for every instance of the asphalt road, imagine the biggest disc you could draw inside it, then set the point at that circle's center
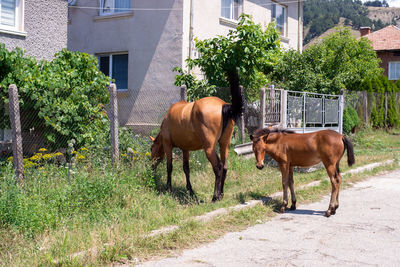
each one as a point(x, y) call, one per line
point(364, 232)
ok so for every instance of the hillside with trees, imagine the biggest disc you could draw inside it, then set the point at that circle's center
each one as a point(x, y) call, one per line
point(321, 15)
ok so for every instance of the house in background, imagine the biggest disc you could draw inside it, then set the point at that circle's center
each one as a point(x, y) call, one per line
point(386, 43)
point(37, 26)
point(139, 42)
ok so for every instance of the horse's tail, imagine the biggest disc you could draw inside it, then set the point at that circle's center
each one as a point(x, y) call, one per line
point(234, 110)
point(350, 151)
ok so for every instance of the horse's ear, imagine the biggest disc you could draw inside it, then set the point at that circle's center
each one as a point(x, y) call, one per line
point(152, 138)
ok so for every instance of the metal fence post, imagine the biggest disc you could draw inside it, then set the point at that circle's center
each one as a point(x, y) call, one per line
point(386, 108)
point(114, 124)
point(16, 133)
point(304, 112)
point(341, 109)
point(183, 93)
point(283, 108)
point(261, 122)
point(365, 106)
point(242, 125)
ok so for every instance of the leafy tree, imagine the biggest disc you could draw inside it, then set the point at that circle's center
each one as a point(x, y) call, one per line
point(376, 3)
point(340, 61)
point(250, 48)
point(62, 99)
point(321, 15)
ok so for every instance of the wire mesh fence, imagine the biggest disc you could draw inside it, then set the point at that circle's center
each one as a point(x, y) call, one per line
point(370, 105)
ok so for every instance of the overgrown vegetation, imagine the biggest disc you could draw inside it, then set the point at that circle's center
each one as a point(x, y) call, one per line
point(113, 210)
point(62, 99)
point(250, 48)
point(340, 61)
point(321, 15)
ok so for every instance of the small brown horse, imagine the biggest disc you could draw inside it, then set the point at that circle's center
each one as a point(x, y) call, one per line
point(201, 124)
point(290, 149)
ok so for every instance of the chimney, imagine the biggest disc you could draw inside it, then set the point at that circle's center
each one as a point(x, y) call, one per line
point(365, 31)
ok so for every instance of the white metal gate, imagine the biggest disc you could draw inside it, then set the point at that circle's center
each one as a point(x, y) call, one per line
point(301, 111)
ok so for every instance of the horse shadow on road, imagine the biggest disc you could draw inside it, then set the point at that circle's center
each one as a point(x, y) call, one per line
point(276, 205)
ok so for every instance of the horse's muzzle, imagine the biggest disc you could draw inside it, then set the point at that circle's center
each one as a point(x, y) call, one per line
point(260, 167)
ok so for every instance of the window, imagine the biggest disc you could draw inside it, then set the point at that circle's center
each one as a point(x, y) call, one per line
point(279, 15)
point(11, 15)
point(108, 7)
point(231, 9)
point(115, 66)
point(394, 70)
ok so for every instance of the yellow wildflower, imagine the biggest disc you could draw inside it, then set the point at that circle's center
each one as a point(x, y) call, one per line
point(80, 157)
point(48, 156)
point(83, 149)
point(58, 154)
point(43, 149)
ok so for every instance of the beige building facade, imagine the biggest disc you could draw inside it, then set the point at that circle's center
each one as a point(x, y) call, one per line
point(139, 42)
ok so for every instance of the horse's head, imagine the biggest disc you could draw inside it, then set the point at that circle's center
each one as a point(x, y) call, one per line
point(259, 149)
point(157, 150)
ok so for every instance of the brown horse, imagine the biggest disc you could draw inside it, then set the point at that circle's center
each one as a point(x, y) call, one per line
point(290, 149)
point(201, 124)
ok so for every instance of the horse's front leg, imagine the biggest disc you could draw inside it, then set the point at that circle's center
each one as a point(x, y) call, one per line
point(186, 170)
point(285, 184)
point(168, 152)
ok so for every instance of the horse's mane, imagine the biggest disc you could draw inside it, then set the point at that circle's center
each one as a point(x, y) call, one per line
point(264, 131)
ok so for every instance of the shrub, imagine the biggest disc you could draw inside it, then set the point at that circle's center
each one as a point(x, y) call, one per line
point(62, 99)
point(350, 120)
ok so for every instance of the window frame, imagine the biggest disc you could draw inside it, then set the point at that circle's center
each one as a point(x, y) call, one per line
point(110, 67)
point(19, 19)
point(112, 10)
point(285, 8)
point(232, 10)
point(389, 69)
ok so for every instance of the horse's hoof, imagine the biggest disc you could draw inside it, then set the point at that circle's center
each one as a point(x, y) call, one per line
point(293, 207)
point(328, 213)
point(333, 212)
point(283, 209)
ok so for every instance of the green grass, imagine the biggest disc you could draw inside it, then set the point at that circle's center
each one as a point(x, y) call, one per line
point(110, 211)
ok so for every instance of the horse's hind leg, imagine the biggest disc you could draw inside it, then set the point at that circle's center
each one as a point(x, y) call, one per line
point(331, 169)
point(217, 168)
point(285, 184)
point(224, 142)
point(186, 169)
point(339, 181)
point(291, 186)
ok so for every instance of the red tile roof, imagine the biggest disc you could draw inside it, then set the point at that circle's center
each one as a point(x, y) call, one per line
point(387, 38)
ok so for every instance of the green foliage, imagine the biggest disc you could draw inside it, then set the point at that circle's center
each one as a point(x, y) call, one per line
point(63, 98)
point(381, 86)
point(321, 15)
point(48, 201)
point(376, 3)
point(250, 48)
point(350, 119)
point(196, 89)
point(340, 61)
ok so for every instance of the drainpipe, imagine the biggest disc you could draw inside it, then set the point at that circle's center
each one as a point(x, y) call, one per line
point(190, 32)
point(299, 26)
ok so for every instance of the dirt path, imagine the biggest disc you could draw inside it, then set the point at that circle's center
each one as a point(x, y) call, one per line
point(365, 231)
